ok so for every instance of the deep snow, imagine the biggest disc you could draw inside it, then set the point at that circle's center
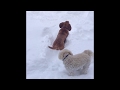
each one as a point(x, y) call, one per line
point(42, 29)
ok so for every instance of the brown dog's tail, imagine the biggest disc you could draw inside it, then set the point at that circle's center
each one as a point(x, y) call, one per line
point(50, 47)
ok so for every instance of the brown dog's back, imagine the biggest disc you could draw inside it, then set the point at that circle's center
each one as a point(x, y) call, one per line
point(62, 35)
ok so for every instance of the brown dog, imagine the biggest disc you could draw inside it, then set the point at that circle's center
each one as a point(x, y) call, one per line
point(62, 35)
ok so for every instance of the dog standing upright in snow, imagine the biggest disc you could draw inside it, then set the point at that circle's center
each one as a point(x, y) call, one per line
point(79, 62)
point(62, 35)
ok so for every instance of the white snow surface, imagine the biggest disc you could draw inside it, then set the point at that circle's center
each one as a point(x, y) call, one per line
point(41, 30)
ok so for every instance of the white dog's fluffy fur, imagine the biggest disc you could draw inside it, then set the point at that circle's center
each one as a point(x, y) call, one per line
point(79, 62)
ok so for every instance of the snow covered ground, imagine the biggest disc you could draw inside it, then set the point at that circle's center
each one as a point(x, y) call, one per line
point(42, 29)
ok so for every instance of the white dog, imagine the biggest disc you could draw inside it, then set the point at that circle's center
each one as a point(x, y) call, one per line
point(79, 62)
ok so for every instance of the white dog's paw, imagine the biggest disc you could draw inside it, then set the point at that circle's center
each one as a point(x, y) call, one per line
point(84, 72)
point(71, 73)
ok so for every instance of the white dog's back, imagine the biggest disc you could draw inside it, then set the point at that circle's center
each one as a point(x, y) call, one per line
point(81, 58)
point(76, 62)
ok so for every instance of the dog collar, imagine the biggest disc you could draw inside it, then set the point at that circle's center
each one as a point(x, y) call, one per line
point(65, 57)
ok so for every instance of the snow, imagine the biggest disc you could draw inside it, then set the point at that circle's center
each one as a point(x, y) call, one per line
point(42, 29)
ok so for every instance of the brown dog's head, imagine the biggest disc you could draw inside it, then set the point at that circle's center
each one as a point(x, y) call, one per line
point(65, 25)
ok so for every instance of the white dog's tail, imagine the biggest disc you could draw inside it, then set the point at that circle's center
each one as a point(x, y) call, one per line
point(89, 52)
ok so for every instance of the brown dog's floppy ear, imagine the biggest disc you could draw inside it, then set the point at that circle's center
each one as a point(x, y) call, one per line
point(61, 24)
point(69, 27)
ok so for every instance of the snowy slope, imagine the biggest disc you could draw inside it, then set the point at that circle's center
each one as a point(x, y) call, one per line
point(42, 29)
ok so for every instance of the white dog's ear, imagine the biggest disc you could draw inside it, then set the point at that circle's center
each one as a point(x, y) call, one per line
point(64, 52)
point(67, 51)
point(70, 53)
point(60, 56)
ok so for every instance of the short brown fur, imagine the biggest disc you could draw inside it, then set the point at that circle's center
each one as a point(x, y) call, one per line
point(62, 35)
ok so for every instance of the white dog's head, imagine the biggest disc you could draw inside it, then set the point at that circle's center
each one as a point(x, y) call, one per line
point(89, 52)
point(63, 53)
